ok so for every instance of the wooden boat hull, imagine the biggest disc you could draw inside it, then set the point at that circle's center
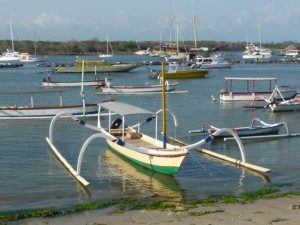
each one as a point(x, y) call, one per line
point(105, 68)
point(251, 131)
point(164, 163)
point(257, 96)
point(137, 89)
point(199, 73)
point(71, 84)
point(23, 112)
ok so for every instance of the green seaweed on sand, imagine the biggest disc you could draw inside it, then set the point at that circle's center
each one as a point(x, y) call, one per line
point(153, 203)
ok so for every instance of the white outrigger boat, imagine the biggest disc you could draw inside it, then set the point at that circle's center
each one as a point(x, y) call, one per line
point(34, 111)
point(108, 88)
point(252, 130)
point(48, 82)
point(130, 142)
point(71, 83)
point(253, 92)
point(283, 105)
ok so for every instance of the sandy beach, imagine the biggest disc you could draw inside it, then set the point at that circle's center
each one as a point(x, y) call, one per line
point(279, 211)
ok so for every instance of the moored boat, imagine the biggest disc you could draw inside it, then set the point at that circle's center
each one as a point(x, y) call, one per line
point(253, 92)
point(108, 88)
point(214, 62)
point(179, 72)
point(34, 111)
point(100, 66)
point(130, 142)
point(262, 129)
point(281, 105)
point(29, 58)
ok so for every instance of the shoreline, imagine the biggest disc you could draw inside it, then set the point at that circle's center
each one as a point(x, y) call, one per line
point(283, 210)
point(266, 206)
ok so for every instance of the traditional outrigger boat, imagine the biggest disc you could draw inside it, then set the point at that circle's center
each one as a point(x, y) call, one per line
point(252, 130)
point(100, 66)
point(107, 87)
point(48, 82)
point(252, 92)
point(33, 111)
point(131, 143)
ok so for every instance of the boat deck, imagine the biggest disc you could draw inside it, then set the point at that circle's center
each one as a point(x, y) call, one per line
point(138, 142)
point(141, 143)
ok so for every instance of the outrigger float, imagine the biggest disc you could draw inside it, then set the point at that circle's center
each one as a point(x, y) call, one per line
point(131, 143)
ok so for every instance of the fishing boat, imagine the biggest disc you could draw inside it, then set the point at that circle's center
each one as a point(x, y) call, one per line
point(179, 72)
point(95, 83)
point(136, 146)
point(256, 89)
point(100, 66)
point(130, 142)
point(48, 82)
point(282, 104)
point(34, 111)
point(108, 88)
point(252, 130)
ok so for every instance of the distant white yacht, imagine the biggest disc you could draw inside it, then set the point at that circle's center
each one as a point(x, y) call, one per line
point(253, 52)
point(292, 53)
point(213, 62)
point(10, 56)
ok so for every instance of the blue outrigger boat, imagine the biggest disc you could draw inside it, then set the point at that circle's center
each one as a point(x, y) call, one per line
point(252, 130)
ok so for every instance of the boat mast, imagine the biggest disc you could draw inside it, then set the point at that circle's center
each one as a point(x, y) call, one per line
point(164, 116)
point(107, 44)
point(194, 25)
point(177, 44)
point(173, 24)
point(246, 32)
point(12, 36)
point(258, 27)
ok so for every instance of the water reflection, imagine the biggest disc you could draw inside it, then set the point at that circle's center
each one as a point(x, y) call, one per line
point(136, 178)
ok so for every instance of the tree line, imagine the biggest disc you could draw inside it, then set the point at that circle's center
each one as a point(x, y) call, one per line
point(95, 46)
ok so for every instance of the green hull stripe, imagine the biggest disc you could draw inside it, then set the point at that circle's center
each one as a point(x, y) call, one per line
point(160, 169)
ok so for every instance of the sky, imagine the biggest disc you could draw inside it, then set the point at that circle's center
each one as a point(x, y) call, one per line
point(146, 20)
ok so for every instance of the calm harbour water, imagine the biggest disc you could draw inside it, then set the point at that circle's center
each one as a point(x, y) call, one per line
point(32, 177)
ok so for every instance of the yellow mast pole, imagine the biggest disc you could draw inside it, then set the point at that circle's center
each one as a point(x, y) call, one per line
point(164, 115)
